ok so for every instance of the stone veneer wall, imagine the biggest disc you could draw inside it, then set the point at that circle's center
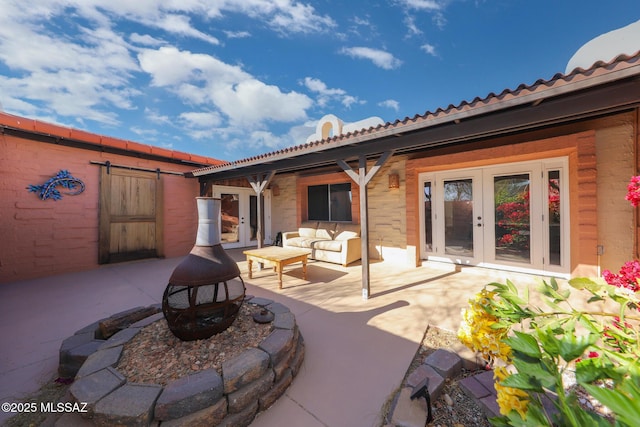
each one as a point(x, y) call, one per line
point(387, 219)
point(250, 382)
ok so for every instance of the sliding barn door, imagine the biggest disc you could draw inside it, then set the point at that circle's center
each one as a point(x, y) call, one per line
point(130, 215)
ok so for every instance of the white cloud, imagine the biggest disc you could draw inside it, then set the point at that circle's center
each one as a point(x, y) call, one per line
point(250, 102)
point(145, 40)
point(237, 34)
point(348, 101)
point(434, 7)
point(390, 103)
point(181, 25)
point(380, 58)
point(203, 120)
point(205, 80)
point(157, 118)
point(429, 5)
point(412, 28)
point(326, 94)
point(429, 48)
point(300, 18)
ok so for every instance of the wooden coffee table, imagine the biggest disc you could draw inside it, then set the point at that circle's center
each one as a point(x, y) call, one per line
point(278, 257)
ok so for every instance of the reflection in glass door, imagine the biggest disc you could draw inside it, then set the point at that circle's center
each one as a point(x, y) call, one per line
point(512, 218)
point(230, 218)
point(239, 216)
point(458, 218)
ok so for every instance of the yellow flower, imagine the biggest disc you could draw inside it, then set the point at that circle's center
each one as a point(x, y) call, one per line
point(509, 399)
point(478, 331)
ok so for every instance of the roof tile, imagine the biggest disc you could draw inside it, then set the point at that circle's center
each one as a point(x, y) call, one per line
point(36, 126)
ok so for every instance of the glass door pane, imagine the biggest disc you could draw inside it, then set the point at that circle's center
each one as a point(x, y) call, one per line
point(512, 218)
point(554, 218)
point(230, 218)
point(458, 218)
point(253, 218)
point(428, 217)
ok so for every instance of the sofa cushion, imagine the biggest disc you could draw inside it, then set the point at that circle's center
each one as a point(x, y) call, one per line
point(303, 242)
point(308, 229)
point(346, 231)
point(328, 245)
point(326, 230)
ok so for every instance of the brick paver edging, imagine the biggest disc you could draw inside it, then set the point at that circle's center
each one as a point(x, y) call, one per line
point(439, 366)
point(250, 382)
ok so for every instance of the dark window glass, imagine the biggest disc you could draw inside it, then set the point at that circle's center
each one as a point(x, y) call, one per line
point(329, 202)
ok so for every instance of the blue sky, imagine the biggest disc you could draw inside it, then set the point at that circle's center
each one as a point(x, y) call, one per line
point(231, 79)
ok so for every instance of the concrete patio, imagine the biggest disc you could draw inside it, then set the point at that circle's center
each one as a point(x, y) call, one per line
point(357, 352)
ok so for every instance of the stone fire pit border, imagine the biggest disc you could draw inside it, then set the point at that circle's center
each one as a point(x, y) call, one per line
point(249, 384)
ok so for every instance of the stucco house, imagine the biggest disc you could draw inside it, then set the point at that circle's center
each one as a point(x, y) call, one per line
point(531, 179)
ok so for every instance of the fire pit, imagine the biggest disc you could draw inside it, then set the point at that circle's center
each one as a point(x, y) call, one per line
point(203, 296)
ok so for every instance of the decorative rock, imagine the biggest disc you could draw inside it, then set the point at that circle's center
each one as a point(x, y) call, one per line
point(262, 302)
point(277, 308)
point(247, 382)
point(277, 344)
point(447, 399)
point(278, 389)
point(130, 405)
point(74, 351)
point(148, 320)
point(120, 338)
point(284, 365)
point(240, 399)
point(92, 327)
point(189, 394)
point(296, 363)
point(93, 387)
point(210, 416)
point(250, 365)
point(284, 321)
point(242, 419)
point(444, 362)
point(99, 360)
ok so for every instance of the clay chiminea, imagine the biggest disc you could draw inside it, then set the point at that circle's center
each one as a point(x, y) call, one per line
point(202, 297)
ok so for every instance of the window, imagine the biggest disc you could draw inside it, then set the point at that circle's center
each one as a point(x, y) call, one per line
point(329, 202)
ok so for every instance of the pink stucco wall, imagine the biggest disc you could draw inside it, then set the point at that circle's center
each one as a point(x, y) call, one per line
point(41, 238)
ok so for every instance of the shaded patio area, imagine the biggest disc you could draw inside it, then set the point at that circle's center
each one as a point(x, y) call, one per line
point(357, 352)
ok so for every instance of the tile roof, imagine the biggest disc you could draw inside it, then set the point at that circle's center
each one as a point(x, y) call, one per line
point(36, 127)
point(619, 67)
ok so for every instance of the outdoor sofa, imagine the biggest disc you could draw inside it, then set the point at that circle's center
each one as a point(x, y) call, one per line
point(336, 242)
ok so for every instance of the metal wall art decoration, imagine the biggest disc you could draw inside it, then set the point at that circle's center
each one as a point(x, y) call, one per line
point(63, 178)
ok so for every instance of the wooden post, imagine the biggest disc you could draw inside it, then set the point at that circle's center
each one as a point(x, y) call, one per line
point(259, 183)
point(362, 178)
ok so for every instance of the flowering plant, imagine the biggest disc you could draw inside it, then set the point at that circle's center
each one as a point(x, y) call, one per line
point(633, 191)
point(601, 347)
point(533, 349)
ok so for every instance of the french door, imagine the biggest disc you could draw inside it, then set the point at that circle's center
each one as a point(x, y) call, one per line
point(239, 216)
point(513, 216)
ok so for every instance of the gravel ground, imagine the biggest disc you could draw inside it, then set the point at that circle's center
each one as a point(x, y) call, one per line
point(156, 356)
